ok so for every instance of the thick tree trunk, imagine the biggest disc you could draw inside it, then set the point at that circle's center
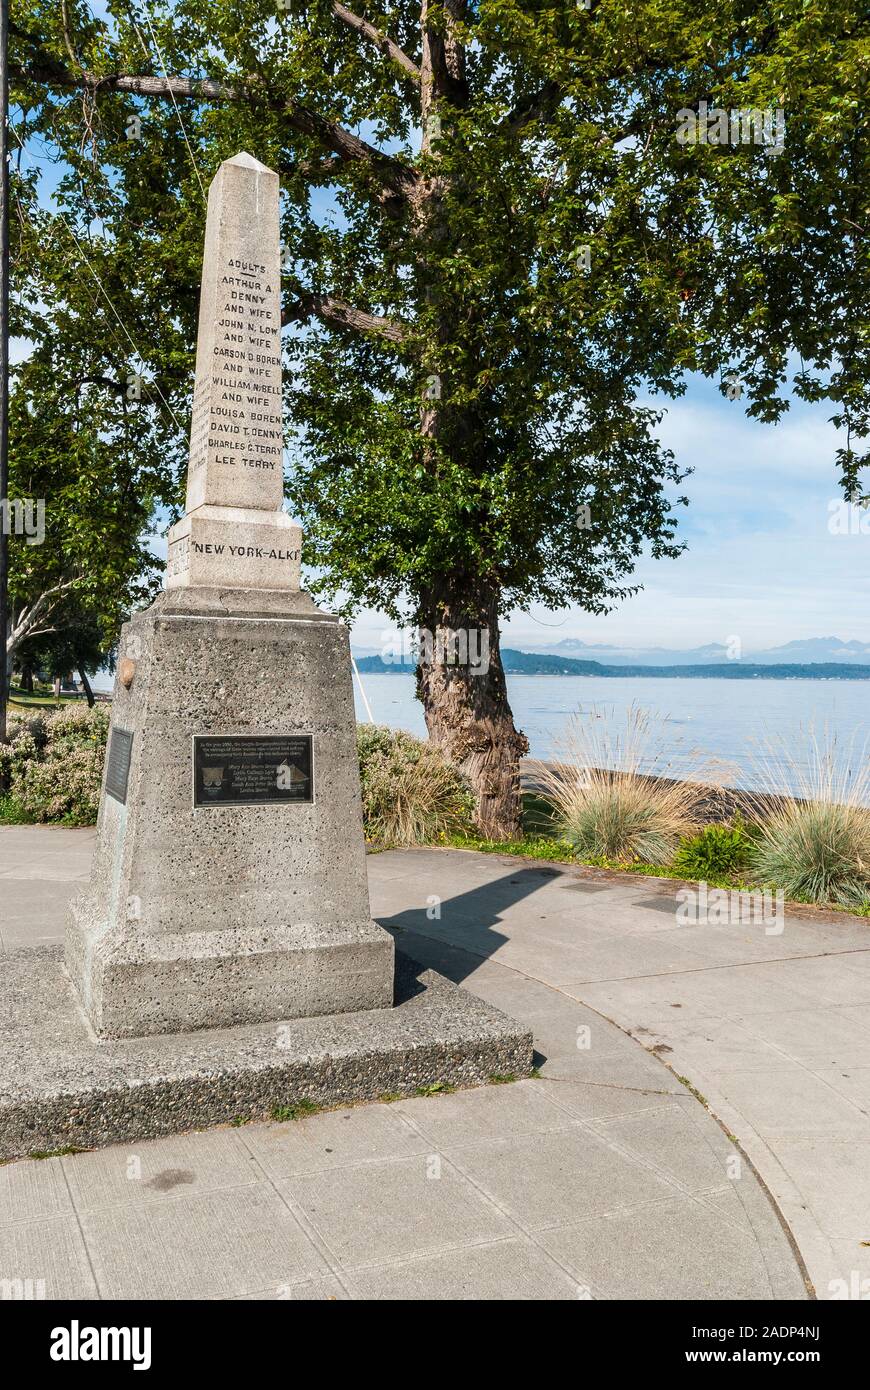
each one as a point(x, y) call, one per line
point(86, 686)
point(461, 683)
point(464, 699)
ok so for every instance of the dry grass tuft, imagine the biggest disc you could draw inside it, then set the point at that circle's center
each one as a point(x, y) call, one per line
point(604, 792)
point(815, 847)
point(411, 794)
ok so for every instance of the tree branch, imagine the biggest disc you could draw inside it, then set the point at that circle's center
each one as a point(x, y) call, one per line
point(339, 314)
point(386, 45)
point(314, 170)
point(396, 176)
point(532, 108)
point(328, 169)
point(119, 387)
point(442, 71)
point(66, 34)
point(27, 619)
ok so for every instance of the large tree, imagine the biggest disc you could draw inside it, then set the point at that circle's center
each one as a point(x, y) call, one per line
point(498, 250)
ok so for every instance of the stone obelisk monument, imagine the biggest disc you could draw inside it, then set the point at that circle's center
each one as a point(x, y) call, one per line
point(234, 530)
point(229, 882)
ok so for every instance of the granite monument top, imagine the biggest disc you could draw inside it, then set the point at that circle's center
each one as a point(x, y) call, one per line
point(234, 532)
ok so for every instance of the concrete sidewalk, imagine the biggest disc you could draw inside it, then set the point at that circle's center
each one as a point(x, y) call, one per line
point(605, 1178)
point(773, 1030)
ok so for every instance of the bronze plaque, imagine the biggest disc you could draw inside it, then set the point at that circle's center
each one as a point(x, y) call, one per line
point(252, 769)
point(118, 764)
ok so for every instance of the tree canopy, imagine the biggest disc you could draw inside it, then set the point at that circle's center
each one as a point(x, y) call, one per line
point(498, 255)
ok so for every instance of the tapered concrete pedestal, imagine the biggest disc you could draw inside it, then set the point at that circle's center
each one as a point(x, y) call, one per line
point(208, 915)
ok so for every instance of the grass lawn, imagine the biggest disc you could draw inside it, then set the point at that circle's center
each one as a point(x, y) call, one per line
point(40, 699)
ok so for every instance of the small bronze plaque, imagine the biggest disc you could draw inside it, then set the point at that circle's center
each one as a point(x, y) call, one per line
point(118, 764)
point(252, 769)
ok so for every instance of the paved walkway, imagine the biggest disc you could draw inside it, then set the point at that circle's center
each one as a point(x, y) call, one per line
point(773, 1030)
point(604, 1178)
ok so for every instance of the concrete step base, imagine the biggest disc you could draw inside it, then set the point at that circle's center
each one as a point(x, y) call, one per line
point(61, 1087)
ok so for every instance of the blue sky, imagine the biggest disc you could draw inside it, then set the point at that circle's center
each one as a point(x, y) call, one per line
point(761, 562)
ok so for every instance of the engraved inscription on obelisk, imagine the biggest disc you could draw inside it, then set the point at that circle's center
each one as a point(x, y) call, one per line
point(234, 532)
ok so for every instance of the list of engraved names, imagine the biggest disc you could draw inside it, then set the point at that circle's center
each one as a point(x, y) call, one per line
point(237, 401)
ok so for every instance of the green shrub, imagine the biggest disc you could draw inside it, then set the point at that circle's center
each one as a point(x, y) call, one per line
point(10, 811)
point(53, 768)
point(52, 771)
point(23, 748)
point(716, 852)
point(411, 794)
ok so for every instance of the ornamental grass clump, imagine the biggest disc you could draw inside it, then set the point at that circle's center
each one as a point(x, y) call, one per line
point(613, 793)
point(815, 844)
point(411, 794)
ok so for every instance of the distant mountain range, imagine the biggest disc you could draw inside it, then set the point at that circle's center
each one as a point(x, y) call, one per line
point(548, 664)
point(811, 650)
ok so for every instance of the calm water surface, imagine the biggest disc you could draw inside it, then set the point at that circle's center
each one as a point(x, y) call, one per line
point(726, 720)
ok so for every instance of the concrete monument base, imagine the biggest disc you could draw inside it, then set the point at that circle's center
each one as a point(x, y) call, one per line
point(61, 1087)
point(229, 881)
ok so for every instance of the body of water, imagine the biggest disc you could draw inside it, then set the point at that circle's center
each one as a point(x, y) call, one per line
point(730, 721)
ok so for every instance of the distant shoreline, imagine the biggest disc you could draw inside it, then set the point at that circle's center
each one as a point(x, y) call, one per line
point(517, 663)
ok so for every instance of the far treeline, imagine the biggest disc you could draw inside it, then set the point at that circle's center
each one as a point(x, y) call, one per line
point(531, 664)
